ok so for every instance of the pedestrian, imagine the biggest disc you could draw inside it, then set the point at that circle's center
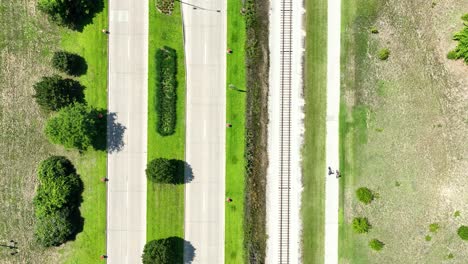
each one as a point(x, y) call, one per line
point(338, 175)
point(228, 125)
point(104, 179)
point(229, 51)
point(105, 31)
point(330, 171)
point(103, 257)
point(228, 200)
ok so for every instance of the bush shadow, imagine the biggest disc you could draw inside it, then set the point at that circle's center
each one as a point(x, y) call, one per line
point(75, 217)
point(184, 173)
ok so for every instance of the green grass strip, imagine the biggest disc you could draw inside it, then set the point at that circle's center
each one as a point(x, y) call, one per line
point(313, 165)
point(235, 136)
point(165, 203)
point(91, 44)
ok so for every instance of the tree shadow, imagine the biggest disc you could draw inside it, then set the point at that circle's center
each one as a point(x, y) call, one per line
point(184, 252)
point(81, 19)
point(189, 252)
point(115, 134)
point(109, 133)
point(184, 173)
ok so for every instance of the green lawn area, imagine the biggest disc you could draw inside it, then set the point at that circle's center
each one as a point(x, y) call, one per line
point(91, 166)
point(313, 152)
point(165, 203)
point(235, 137)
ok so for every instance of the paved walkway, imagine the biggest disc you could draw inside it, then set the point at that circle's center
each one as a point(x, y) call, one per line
point(332, 128)
point(127, 102)
point(205, 53)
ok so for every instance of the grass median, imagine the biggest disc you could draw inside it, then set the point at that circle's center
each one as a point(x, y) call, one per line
point(165, 203)
point(313, 152)
point(91, 44)
point(235, 136)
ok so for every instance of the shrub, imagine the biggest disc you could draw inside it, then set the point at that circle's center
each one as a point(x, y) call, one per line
point(364, 195)
point(361, 225)
point(434, 227)
point(463, 232)
point(162, 251)
point(70, 13)
point(456, 214)
point(53, 93)
point(428, 238)
point(461, 50)
point(69, 63)
point(166, 68)
point(465, 17)
point(376, 244)
point(162, 170)
point(383, 54)
point(56, 202)
point(450, 256)
point(165, 6)
point(374, 30)
point(73, 127)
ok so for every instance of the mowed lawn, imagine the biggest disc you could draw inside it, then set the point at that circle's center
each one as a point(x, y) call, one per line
point(235, 135)
point(165, 203)
point(313, 152)
point(92, 45)
point(402, 132)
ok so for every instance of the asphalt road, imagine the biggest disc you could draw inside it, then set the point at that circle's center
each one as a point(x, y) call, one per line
point(332, 135)
point(205, 53)
point(127, 102)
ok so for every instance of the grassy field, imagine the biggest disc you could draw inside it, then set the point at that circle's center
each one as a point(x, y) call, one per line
point(403, 131)
point(27, 42)
point(235, 137)
point(313, 160)
point(165, 203)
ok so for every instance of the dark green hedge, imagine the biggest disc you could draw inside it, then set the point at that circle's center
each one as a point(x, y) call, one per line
point(57, 202)
point(166, 94)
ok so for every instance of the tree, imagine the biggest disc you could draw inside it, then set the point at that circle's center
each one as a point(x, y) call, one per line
point(463, 232)
point(54, 92)
point(376, 244)
point(361, 225)
point(54, 228)
point(57, 201)
point(69, 63)
point(74, 126)
point(364, 195)
point(162, 170)
point(73, 14)
point(161, 251)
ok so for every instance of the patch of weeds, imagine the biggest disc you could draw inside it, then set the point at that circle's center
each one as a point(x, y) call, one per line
point(433, 4)
point(361, 225)
point(374, 30)
point(364, 195)
point(450, 256)
point(428, 238)
point(434, 227)
point(379, 129)
point(397, 184)
point(456, 214)
point(376, 244)
point(383, 54)
point(461, 50)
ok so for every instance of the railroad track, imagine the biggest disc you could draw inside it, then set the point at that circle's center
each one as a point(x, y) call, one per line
point(285, 129)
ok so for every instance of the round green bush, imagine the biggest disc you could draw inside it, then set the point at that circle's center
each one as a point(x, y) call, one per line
point(361, 225)
point(162, 170)
point(383, 54)
point(376, 244)
point(364, 195)
point(161, 251)
point(69, 63)
point(54, 92)
point(463, 232)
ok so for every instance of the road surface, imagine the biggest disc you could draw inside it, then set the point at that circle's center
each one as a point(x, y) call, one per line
point(332, 134)
point(127, 101)
point(205, 53)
